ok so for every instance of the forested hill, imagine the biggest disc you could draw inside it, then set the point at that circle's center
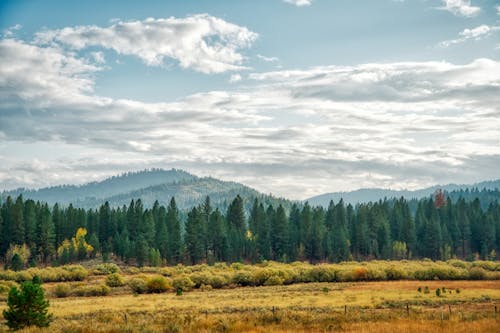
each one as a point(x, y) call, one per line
point(374, 194)
point(150, 186)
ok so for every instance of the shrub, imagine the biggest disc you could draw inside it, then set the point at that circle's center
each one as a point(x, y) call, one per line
point(242, 278)
point(5, 286)
point(438, 292)
point(92, 290)
point(426, 290)
point(360, 273)
point(137, 285)
point(477, 273)
point(183, 282)
point(27, 307)
point(205, 287)
point(61, 290)
point(274, 280)
point(322, 273)
point(158, 284)
point(114, 280)
point(106, 268)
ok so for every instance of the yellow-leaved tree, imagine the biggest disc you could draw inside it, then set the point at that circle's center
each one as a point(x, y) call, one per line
point(76, 249)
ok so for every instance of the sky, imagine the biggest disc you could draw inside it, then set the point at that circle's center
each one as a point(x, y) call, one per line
point(291, 97)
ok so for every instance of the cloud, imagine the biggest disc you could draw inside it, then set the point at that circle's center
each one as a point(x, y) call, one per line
point(235, 78)
point(460, 8)
point(267, 59)
point(202, 42)
point(98, 57)
point(299, 3)
point(295, 133)
point(9, 32)
point(477, 33)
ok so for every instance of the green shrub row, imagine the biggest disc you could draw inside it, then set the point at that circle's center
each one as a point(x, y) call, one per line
point(65, 290)
point(47, 274)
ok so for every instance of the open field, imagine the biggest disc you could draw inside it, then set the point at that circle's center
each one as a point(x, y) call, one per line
point(355, 306)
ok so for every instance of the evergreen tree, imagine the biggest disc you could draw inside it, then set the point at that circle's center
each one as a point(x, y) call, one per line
point(279, 234)
point(17, 222)
point(218, 242)
point(27, 307)
point(195, 243)
point(173, 233)
point(46, 235)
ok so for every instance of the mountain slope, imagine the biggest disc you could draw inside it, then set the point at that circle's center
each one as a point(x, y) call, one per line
point(149, 186)
point(375, 194)
point(97, 191)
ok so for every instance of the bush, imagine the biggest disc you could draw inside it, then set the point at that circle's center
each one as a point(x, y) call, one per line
point(61, 290)
point(92, 290)
point(105, 269)
point(158, 284)
point(274, 280)
point(5, 286)
point(477, 273)
point(114, 280)
point(183, 283)
point(27, 307)
point(242, 278)
point(137, 285)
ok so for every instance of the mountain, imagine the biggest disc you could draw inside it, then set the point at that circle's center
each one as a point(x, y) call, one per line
point(149, 186)
point(375, 194)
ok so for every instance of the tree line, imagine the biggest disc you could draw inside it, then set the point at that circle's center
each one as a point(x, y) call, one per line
point(32, 232)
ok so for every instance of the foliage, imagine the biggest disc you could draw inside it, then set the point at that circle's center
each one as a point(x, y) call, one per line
point(115, 280)
point(106, 268)
point(254, 231)
point(137, 285)
point(27, 307)
point(17, 256)
point(76, 249)
point(158, 284)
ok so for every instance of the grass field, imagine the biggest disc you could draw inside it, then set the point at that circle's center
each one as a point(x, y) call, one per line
point(360, 306)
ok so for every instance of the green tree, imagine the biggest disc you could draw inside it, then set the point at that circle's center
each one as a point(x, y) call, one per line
point(27, 307)
point(173, 233)
point(195, 243)
point(279, 234)
point(218, 242)
point(45, 234)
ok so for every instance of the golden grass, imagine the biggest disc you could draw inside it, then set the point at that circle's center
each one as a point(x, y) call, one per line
point(306, 307)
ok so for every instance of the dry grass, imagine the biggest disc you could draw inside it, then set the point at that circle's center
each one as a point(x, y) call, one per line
point(311, 307)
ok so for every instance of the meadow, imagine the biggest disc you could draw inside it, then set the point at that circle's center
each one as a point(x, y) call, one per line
point(376, 296)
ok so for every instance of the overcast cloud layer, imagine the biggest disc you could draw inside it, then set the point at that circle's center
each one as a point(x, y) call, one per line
point(292, 132)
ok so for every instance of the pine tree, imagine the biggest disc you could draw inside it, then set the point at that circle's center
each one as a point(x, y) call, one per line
point(17, 222)
point(235, 218)
point(218, 242)
point(279, 234)
point(46, 235)
point(195, 243)
point(27, 307)
point(173, 233)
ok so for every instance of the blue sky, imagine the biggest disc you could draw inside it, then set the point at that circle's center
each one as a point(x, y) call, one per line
point(291, 97)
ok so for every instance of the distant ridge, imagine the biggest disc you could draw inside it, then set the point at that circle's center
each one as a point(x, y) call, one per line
point(188, 189)
point(375, 194)
point(149, 186)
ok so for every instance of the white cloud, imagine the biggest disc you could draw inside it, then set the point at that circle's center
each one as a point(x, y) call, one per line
point(477, 33)
point(201, 42)
point(461, 8)
point(235, 78)
point(9, 32)
point(267, 59)
point(294, 133)
point(98, 57)
point(299, 3)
